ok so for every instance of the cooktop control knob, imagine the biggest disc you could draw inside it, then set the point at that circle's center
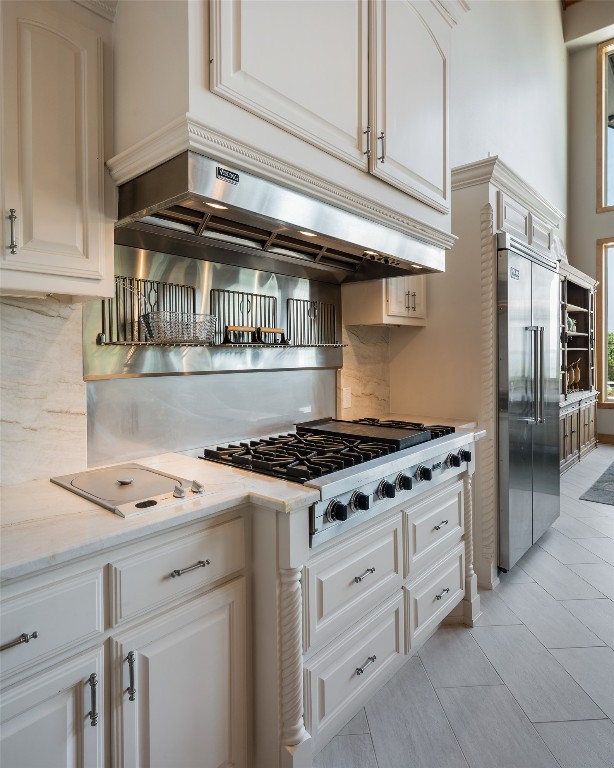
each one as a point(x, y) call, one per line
point(179, 492)
point(403, 482)
point(197, 487)
point(359, 502)
point(386, 490)
point(424, 473)
point(465, 455)
point(453, 460)
point(336, 511)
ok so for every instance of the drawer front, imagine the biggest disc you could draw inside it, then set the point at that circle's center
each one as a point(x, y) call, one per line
point(334, 685)
point(63, 614)
point(432, 596)
point(433, 527)
point(513, 217)
point(140, 582)
point(344, 583)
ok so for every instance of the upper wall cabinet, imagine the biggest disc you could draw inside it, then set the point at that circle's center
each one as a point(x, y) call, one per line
point(369, 86)
point(280, 61)
point(56, 238)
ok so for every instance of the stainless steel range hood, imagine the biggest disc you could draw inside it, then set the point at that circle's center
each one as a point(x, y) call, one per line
point(191, 201)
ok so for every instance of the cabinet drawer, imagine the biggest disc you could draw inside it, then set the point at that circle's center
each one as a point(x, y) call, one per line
point(433, 527)
point(342, 584)
point(432, 596)
point(513, 217)
point(63, 614)
point(140, 582)
point(334, 686)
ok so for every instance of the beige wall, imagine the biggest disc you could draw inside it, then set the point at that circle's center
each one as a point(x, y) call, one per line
point(509, 92)
point(586, 225)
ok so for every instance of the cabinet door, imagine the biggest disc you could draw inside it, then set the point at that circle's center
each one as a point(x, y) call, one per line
point(52, 165)
point(184, 702)
point(406, 297)
point(409, 78)
point(46, 720)
point(297, 68)
point(574, 432)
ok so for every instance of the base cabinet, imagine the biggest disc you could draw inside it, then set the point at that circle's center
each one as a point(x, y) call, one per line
point(578, 435)
point(179, 685)
point(56, 718)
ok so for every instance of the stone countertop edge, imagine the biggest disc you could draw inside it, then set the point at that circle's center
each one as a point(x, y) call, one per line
point(43, 525)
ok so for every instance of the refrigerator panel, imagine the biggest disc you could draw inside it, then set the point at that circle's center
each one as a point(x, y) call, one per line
point(516, 407)
point(546, 466)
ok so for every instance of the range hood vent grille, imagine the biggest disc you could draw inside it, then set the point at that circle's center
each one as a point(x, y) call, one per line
point(191, 197)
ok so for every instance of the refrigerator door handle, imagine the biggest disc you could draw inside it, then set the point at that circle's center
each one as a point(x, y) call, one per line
point(542, 382)
point(534, 418)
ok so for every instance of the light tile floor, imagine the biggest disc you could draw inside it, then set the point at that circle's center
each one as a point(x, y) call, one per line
point(532, 685)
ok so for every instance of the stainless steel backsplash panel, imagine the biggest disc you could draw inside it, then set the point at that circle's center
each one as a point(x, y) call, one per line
point(109, 361)
point(129, 418)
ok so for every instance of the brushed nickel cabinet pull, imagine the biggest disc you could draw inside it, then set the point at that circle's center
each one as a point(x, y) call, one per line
point(130, 658)
point(364, 575)
point(441, 524)
point(23, 638)
point(93, 713)
point(370, 660)
point(414, 304)
point(13, 244)
point(199, 564)
point(407, 301)
point(442, 593)
point(367, 133)
point(382, 138)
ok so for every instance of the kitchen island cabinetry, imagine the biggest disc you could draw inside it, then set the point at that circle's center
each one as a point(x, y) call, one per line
point(57, 237)
point(394, 301)
point(176, 687)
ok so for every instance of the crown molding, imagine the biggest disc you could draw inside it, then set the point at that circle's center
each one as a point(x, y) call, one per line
point(104, 8)
point(492, 170)
point(189, 133)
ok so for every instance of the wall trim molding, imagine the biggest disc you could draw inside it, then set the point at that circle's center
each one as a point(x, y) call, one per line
point(493, 170)
point(606, 439)
point(188, 132)
point(105, 8)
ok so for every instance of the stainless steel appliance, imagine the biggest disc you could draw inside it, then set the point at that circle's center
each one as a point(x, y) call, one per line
point(191, 201)
point(528, 382)
point(361, 468)
point(130, 489)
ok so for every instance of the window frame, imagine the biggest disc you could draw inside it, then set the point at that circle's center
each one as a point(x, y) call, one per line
point(603, 50)
point(601, 329)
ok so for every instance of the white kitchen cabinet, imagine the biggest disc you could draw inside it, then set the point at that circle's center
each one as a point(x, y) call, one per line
point(56, 237)
point(389, 118)
point(409, 94)
point(395, 301)
point(179, 685)
point(310, 78)
point(48, 720)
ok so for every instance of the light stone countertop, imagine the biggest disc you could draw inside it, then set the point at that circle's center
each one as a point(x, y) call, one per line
point(43, 525)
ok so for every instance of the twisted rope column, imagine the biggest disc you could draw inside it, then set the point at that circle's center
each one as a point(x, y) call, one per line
point(291, 657)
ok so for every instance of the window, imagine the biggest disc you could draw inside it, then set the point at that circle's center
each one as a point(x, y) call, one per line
point(605, 321)
point(605, 126)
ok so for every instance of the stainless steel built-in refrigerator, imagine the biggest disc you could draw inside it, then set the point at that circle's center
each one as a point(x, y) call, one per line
point(528, 384)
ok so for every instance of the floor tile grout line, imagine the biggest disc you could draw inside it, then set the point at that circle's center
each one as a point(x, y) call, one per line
point(586, 720)
point(576, 541)
point(445, 714)
point(371, 735)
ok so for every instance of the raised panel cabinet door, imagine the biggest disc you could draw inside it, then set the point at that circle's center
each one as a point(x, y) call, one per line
point(179, 687)
point(398, 296)
point(296, 67)
point(409, 79)
point(47, 721)
point(52, 136)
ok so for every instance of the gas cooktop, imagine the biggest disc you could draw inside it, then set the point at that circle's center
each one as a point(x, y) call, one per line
point(319, 448)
